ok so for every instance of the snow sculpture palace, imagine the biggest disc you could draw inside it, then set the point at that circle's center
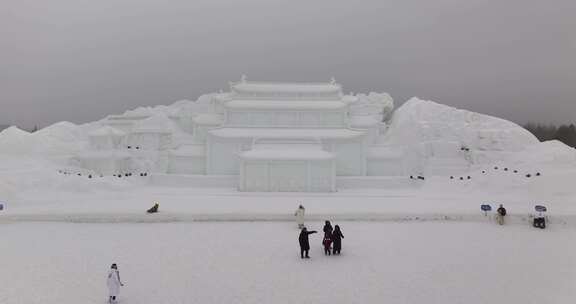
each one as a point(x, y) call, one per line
point(288, 137)
point(266, 136)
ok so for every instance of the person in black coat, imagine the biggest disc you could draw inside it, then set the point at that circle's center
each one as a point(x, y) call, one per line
point(501, 213)
point(337, 237)
point(304, 242)
point(327, 236)
point(327, 228)
point(154, 208)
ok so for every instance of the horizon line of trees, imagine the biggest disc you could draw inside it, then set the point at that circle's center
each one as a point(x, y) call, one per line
point(565, 133)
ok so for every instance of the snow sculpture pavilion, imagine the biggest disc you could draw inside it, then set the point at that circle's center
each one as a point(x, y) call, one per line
point(265, 136)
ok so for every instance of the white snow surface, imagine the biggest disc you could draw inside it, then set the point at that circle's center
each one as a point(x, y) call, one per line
point(418, 121)
point(395, 263)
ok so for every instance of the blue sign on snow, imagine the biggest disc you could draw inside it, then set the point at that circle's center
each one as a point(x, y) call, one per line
point(486, 208)
point(540, 208)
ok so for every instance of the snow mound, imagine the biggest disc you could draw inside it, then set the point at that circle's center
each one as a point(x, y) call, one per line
point(60, 138)
point(106, 131)
point(553, 151)
point(419, 121)
point(141, 112)
point(379, 105)
point(62, 131)
point(158, 122)
point(15, 141)
point(168, 110)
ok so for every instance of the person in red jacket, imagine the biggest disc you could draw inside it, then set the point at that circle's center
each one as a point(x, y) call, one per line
point(327, 242)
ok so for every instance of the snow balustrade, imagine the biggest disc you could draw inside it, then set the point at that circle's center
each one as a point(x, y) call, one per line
point(285, 113)
point(251, 89)
point(105, 162)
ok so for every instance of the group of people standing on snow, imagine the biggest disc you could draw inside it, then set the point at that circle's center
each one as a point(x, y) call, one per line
point(332, 237)
point(332, 241)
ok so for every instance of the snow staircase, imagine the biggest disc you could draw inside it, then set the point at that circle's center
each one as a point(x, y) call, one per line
point(446, 166)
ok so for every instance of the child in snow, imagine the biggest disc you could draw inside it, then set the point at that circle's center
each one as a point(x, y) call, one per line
point(327, 242)
point(304, 242)
point(299, 214)
point(501, 214)
point(114, 283)
point(337, 237)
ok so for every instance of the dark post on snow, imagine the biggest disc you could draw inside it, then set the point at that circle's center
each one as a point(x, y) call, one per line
point(540, 218)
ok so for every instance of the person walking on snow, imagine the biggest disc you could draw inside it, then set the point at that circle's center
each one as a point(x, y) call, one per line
point(304, 242)
point(501, 214)
point(114, 283)
point(327, 241)
point(299, 214)
point(327, 231)
point(337, 237)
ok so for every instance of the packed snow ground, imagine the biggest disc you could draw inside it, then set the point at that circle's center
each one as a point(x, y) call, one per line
point(245, 262)
point(32, 190)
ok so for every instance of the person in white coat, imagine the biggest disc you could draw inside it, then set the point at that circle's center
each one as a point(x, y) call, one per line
point(114, 283)
point(299, 214)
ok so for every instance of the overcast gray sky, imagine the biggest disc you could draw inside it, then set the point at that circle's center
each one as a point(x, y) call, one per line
point(79, 60)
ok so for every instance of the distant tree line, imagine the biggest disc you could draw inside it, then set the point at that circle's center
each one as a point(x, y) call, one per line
point(564, 133)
